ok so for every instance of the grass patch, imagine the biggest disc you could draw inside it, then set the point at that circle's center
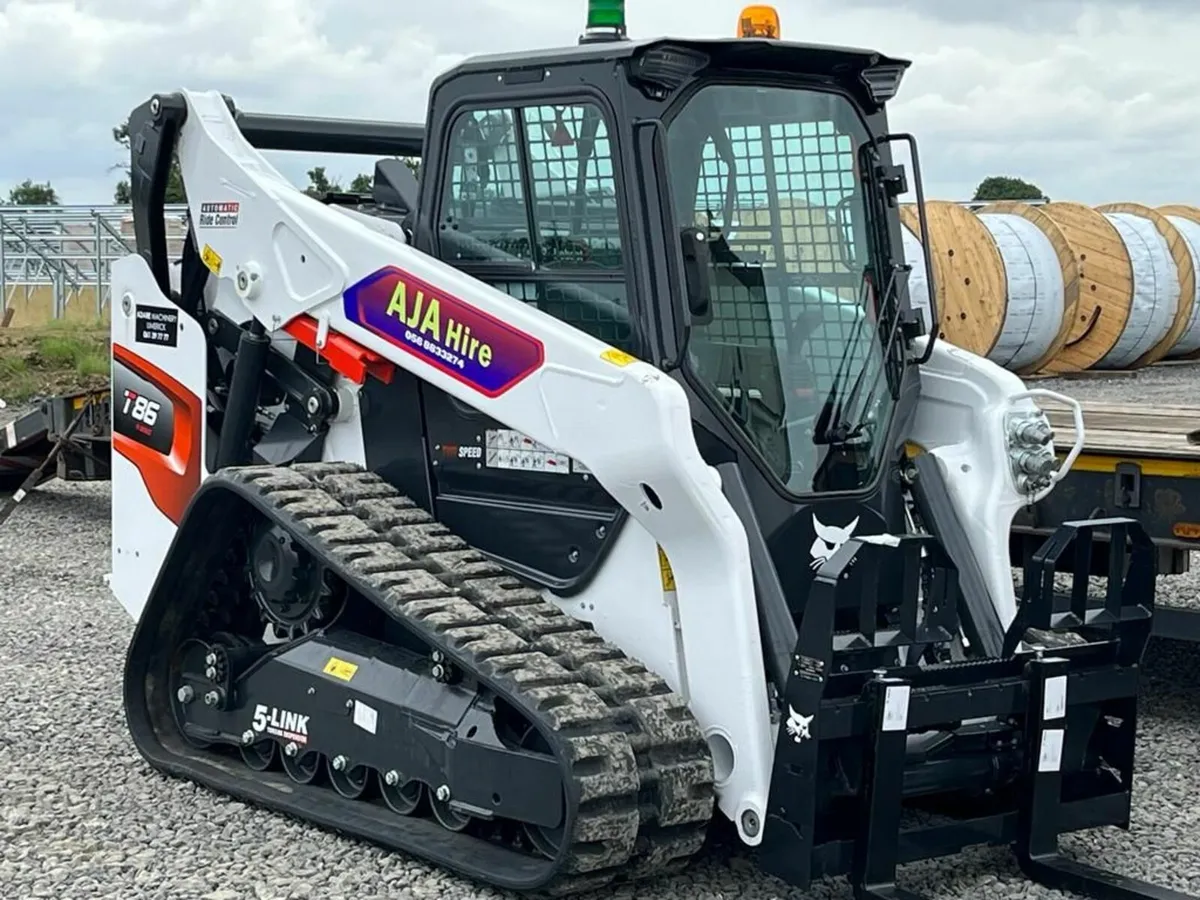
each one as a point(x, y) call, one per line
point(93, 364)
point(61, 350)
point(59, 357)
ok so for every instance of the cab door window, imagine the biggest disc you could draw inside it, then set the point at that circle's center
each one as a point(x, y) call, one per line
point(531, 206)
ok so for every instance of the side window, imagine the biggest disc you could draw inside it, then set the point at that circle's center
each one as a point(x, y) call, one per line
point(537, 185)
point(574, 189)
point(484, 214)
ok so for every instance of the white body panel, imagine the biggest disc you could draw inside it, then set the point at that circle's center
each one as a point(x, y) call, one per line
point(963, 420)
point(344, 439)
point(627, 604)
point(625, 420)
point(141, 532)
point(141, 536)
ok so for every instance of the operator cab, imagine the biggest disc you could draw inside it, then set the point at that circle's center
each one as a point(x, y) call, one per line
point(723, 209)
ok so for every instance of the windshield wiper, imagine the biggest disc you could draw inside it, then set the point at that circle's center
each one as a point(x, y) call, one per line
point(831, 409)
point(832, 426)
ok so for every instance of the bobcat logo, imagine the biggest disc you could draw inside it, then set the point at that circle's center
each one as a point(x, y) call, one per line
point(798, 725)
point(829, 538)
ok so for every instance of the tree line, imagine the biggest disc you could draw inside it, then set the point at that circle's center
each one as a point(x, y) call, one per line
point(33, 193)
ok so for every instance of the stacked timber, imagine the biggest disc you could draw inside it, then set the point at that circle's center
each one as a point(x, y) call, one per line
point(1062, 287)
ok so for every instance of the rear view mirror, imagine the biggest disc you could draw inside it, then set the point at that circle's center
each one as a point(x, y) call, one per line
point(696, 259)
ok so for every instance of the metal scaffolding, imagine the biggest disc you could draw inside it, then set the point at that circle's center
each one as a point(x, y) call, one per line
point(69, 250)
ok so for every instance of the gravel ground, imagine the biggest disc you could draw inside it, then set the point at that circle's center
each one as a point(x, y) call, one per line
point(82, 816)
point(1171, 384)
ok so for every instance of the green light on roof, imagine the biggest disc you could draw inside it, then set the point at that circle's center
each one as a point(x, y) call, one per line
point(606, 14)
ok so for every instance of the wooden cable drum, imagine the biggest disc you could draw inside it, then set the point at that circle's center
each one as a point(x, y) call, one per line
point(1105, 286)
point(968, 274)
point(1042, 282)
point(1164, 286)
point(1186, 220)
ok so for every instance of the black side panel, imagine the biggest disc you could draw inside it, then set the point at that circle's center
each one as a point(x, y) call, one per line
point(535, 511)
point(774, 615)
point(393, 425)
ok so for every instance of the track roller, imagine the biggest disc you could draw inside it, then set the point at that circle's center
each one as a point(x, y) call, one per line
point(352, 782)
point(403, 798)
point(303, 768)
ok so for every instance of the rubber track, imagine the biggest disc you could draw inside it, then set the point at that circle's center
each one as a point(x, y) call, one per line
point(639, 761)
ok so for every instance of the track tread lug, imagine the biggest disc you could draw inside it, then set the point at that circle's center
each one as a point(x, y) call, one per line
point(528, 669)
point(269, 479)
point(307, 504)
point(603, 832)
point(356, 487)
point(374, 559)
point(536, 618)
point(390, 513)
point(465, 565)
point(622, 679)
point(578, 648)
point(665, 855)
point(342, 529)
point(317, 471)
point(424, 538)
point(569, 706)
point(483, 642)
point(451, 612)
point(405, 586)
point(604, 766)
point(503, 591)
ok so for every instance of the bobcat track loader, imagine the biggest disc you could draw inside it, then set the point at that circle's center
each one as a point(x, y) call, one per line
point(601, 485)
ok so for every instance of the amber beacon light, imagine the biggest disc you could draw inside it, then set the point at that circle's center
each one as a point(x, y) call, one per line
point(759, 22)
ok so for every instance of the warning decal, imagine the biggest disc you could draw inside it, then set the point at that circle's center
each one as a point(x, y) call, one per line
point(665, 571)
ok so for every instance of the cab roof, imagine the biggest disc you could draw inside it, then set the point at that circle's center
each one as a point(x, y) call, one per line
point(729, 53)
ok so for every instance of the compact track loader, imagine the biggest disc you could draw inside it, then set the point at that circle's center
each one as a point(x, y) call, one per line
point(598, 486)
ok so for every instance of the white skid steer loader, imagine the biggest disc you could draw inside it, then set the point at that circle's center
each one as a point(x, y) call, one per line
point(604, 483)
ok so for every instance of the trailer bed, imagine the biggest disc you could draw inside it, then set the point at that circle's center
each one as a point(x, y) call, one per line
point(28, 435)
point(1139, 459)
point(1145, 430)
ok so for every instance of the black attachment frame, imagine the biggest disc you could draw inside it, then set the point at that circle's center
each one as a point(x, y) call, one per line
point(863, 743)
point(1042, 607)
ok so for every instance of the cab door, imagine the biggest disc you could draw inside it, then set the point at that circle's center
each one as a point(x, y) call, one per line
point(530, 201)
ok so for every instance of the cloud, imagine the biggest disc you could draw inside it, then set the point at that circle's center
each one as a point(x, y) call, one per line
point(1093, 101)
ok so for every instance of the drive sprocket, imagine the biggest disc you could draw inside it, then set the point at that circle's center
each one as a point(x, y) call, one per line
point(289, 586)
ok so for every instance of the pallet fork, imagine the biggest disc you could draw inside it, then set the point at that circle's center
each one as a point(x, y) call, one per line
point(874, 736)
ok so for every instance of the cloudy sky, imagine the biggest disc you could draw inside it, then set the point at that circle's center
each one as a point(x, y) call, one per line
point(1093, 101)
